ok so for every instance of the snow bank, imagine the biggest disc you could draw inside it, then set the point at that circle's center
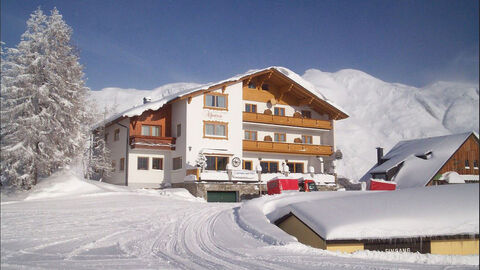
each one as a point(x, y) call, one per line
point(61, 184)
point(67, 183)
point(432, 211)
point(452, 178)
point(257, 216)
point(447, 210)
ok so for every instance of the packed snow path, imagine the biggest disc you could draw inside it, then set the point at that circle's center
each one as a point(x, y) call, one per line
point(127, 230)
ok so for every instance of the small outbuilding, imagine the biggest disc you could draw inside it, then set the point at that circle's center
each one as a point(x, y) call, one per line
point(437, 220)
point(450, 159)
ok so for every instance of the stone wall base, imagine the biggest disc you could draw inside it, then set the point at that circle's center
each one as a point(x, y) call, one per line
point(245, 191)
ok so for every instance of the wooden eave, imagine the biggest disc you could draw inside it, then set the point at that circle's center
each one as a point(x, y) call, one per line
point(312, 100)
point(336, 113)
point(446, 161)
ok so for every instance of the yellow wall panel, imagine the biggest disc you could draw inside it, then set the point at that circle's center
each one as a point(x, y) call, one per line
point(347, 247)
point(293, 226)
point(455, 246)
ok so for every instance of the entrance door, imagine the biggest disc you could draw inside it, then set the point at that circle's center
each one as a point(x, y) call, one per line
point(221, 196)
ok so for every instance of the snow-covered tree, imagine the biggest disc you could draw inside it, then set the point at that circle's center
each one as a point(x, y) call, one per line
point(98, 163)
point(43, 96)
point(201, 161)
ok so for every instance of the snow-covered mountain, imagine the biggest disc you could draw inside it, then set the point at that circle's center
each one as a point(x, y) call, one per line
point(381, 113)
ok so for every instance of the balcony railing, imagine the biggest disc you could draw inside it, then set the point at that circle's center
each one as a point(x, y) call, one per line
point(287, 148)
point(286, 120)
point(152, 142)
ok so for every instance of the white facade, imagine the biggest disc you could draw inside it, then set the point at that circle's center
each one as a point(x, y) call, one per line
point(188, 123)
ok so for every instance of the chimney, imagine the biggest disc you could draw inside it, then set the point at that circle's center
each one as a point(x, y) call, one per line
point(379, 155)
point(146, 100)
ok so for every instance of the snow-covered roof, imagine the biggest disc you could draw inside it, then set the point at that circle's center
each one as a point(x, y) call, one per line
point(157, 104)
point(417, 212)
point(421, 158)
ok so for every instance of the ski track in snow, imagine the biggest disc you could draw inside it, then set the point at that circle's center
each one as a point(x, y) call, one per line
point(134, 231)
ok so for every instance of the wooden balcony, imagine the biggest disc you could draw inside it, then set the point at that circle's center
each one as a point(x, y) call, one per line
point(152, 142)
point(287, 148)
point(286, 120)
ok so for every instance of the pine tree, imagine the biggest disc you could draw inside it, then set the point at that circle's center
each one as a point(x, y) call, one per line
point(43, 102)
point(20, 106)
point(98, 163)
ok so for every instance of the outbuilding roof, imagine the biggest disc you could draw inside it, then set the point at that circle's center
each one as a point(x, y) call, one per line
point(434, 211)
point(420, 159)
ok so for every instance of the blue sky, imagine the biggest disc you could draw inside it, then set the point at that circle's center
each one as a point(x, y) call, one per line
point(145, 44)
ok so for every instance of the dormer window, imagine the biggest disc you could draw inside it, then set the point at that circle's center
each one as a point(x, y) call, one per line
point(425, 156)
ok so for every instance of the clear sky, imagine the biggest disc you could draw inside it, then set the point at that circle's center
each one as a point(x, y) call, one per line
point(145, 44)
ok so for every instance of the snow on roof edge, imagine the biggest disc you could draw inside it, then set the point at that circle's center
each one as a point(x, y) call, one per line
point(155, 105)
point(367, 218)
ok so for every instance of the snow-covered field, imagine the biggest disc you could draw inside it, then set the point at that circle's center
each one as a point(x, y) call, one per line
point(381, 113)
point(69, 223)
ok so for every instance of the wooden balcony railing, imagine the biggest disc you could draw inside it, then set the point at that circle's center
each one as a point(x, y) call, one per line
point(152, 142)
point(286, 120)
point(287, 148)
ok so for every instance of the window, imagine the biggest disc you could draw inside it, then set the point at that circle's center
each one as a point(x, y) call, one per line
point(247, 165)
point(475, 164)
point(279, 111)
point(215, 130)
point(142, 163)
point(280, 137)
point(216, 101)
point(252, 85)
point(250, 135)
point(114, 165)
point(306, 139)
point(307, 114)
point(216, 163)
point(122, 164)
point(467, 164)
point(177, 163)
point(295, 167)
point(151, 130)
point(269, 166)
point(264, 86)
point(251, 108)
point(145, 130)
point(116, 135)
point(179, 130)
point(157, 163)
